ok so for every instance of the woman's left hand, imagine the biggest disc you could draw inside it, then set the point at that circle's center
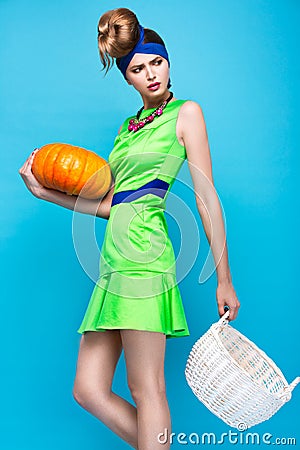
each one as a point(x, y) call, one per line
point(226, 296)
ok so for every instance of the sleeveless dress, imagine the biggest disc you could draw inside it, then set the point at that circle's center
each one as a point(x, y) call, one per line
point(137, 287)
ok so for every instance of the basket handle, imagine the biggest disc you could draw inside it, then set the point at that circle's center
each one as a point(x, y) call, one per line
point(217, 325)
point(224, 319)
point(294, 383)
point(287, 391)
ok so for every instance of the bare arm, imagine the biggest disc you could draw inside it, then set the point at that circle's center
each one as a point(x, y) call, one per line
point(195, 139)
point(99, 208)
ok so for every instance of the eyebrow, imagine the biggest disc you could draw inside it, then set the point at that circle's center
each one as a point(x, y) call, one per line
point(140, 65)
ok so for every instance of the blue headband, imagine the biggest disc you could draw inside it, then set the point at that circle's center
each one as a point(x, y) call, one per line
point(150, 48)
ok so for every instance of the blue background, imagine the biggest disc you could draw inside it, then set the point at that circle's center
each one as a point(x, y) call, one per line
point(240, 62)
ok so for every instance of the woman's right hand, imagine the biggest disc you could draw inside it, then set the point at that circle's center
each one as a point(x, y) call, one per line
point(29, 179)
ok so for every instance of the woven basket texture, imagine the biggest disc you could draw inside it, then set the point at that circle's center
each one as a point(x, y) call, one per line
point(235, 379)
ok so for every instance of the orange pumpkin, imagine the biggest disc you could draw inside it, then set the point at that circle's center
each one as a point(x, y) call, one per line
point(70, 169)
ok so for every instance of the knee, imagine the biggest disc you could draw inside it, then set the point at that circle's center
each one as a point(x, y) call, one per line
point(148, 391)
point(86, 395)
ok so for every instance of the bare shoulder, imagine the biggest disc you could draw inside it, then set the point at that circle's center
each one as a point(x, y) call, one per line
point(190, 116)
point(190, 109)
point(190, 105)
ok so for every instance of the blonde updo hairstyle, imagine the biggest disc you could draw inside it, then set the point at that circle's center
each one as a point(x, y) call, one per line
point(118, 33)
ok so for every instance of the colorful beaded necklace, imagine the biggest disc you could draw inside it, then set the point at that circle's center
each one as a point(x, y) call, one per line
point(135, 124)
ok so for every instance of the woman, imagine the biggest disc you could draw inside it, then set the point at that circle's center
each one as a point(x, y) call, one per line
point(136, 303)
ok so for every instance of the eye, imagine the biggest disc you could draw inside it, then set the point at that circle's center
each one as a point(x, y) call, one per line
point(157, 62)
point(135, 70)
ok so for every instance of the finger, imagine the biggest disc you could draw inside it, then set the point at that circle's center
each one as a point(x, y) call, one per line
point(221, 309)
point(233, 312)
point(29, 163)
point(23, 168)
point(237, 310)
point(227, 308)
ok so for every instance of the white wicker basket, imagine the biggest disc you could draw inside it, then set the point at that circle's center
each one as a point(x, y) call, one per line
point(236, 380)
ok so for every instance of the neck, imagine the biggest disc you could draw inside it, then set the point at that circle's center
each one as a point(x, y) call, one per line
point(155, 102)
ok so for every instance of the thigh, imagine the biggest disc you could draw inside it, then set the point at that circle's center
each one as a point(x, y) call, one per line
point(144, 353)
point(98, 355)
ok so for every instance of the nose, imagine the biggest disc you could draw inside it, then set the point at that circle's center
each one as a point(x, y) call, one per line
point(150, 74)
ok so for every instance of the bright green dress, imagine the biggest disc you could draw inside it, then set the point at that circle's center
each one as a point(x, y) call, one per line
point(137, 287)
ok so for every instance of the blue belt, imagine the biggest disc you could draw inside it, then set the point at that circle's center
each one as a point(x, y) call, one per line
point(156, 187)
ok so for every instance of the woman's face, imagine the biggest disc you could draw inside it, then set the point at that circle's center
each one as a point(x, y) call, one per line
point(144, 70)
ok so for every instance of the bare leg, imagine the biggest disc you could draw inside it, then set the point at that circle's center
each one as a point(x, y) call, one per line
point(144, 354)
point(97, 359)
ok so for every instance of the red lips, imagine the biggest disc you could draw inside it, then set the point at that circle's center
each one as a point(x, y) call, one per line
point(153, 84)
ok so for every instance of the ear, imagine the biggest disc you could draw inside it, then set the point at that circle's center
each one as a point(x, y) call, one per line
point(128, 82)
